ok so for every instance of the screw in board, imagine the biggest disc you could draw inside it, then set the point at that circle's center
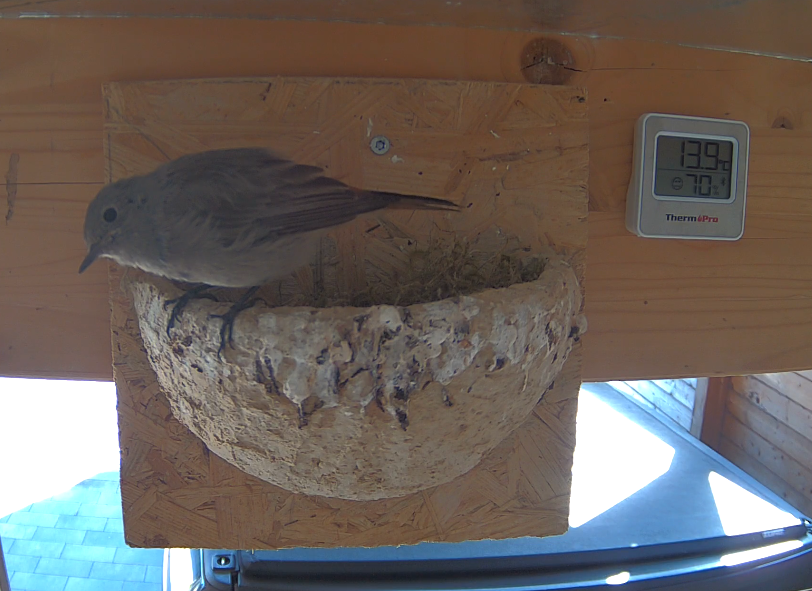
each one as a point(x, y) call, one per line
point(380, 145)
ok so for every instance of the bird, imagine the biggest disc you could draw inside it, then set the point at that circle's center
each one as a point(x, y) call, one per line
point(238, 218)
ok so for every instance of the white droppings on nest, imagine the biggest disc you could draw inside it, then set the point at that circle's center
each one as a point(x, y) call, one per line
point(363, 403)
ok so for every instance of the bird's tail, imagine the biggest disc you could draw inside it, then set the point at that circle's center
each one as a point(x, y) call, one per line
point(398, 201)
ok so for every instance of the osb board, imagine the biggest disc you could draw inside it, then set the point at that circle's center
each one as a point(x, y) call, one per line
point(657, 308)
point(514, 156)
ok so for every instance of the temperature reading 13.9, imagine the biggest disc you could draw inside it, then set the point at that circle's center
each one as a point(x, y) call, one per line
point(693, 167)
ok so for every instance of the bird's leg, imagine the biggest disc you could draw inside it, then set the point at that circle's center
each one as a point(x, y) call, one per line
point(180, 303)
point(227, 329)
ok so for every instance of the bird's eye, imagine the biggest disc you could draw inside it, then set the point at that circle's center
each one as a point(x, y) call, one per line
point(110, 214)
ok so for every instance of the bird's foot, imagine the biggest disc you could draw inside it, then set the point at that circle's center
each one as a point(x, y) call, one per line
point(196, 293)
point(227, 328)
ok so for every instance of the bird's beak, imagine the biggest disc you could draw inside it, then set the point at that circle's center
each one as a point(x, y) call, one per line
point(93, 253)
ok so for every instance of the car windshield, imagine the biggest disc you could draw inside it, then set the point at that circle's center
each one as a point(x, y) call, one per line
point(639, 481)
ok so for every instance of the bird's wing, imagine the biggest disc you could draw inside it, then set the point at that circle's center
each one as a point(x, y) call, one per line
point(254, 195)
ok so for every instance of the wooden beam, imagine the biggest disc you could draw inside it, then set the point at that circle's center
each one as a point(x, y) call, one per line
point(698, 414)
point(718, 390)
point(656, 308)
point(774, 27)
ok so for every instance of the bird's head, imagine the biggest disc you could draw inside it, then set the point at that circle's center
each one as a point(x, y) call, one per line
point(111, 217)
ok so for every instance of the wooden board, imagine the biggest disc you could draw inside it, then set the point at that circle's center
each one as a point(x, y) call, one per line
point(716, 395)
point(776, 403)
point(700, 404)
point(657, 309)
point(794, 385)
point(768, 434)
point(777, 27)
point(672, 398)
point(765, 476)
point(514, 156)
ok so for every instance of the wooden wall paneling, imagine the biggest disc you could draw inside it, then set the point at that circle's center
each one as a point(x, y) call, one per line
point(764, 445)
point(684, 391)
point(760, 437)
point(766, 426)
point(657, 308)
point(512, 155)
point(758, 471)
point(794, 385)
point(777, 27)
point(776, 403)
point(664, 401)
point(795, 474)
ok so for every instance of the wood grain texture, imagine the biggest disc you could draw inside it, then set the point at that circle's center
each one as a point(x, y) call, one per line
point(698, 413)
point(794, 473)
point(767, 434)
point(776, 403)
point(763, 424)
point(758, 471)
point(797, 386)
point(514, 156)
point(656, 308)
point(716, 395)
point(672, 398)
point(777, 27)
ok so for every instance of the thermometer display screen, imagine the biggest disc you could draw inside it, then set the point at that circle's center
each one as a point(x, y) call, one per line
point(696, 167)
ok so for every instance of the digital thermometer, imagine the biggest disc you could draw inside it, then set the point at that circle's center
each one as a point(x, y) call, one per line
point(689, 178)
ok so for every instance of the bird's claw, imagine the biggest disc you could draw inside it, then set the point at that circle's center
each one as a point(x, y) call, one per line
point(227, 327)
point(180, 303)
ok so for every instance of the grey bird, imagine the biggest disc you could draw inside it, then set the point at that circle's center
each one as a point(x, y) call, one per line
point(226, 218)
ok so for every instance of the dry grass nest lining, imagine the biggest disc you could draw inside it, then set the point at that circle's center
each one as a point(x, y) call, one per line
point(428, 274)
point(438, 273)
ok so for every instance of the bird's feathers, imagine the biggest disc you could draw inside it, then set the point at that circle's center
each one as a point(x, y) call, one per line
point(254, 191)
point(228, 217)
